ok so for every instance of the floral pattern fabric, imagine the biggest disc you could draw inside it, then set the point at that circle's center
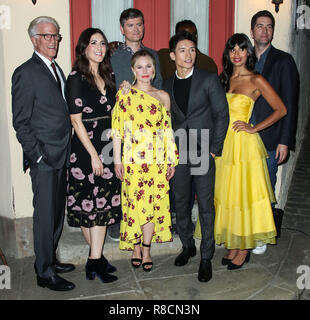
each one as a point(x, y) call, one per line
point(91, 200)
point(144, 126)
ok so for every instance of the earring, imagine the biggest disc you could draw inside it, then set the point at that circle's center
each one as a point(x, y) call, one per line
point(134, 78)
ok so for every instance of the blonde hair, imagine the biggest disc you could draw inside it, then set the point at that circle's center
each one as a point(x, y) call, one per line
point(137, 55)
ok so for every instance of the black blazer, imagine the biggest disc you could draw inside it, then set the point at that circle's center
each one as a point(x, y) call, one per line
point(207, 108)
point(40, 114)
point(281, 72)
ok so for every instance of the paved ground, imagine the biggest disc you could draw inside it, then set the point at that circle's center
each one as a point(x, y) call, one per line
point(271, 276)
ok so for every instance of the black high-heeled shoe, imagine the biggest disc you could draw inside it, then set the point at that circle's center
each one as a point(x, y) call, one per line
point(94, 267)
point(225, 261)
point(232, 266)
point(150, 263)
point(137, 260)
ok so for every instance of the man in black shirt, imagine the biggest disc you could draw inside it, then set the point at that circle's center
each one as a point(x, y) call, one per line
point(199, 114)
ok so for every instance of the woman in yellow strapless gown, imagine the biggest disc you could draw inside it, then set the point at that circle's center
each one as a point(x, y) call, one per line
point(243, 192)
point(141, 121)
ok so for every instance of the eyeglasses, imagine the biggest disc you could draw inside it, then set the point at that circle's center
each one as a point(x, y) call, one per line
point(49, 36)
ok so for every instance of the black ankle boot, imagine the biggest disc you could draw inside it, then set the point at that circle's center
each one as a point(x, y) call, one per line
point(108, 267)
point(90, 270)
point(95, 267)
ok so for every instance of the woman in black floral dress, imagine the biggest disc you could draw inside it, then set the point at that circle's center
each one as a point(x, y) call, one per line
point(93, 200)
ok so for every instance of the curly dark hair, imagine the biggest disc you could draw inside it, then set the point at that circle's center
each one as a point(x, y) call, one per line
point(243, 42)
point(81, 63)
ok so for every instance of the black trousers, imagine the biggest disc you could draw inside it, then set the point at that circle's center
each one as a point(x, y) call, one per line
point(49, 199)
point(181, 185)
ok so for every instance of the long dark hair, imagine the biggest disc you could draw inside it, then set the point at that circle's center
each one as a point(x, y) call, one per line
point(81, 63)
point(243, 42)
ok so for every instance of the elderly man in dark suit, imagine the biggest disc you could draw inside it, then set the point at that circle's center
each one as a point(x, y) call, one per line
point(42, 123)
point(199, 112)
point(279, 69)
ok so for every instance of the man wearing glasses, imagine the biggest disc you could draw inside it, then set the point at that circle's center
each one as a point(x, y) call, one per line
point(42, 123)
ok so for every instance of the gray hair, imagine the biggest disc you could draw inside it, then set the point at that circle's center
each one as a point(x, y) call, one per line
point(32, 29)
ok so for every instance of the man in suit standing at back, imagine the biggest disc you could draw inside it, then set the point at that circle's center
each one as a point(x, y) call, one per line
point(204, 62)
point(42, 124)
point(199, 116)
point(279, 69)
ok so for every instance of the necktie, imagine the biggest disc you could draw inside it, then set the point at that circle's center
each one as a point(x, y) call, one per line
point(56, 75)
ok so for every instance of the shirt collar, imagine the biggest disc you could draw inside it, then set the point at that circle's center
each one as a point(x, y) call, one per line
point(260, 64)
point(265, 53)
point(189, 75)
point(125, 47)
point(45, 60)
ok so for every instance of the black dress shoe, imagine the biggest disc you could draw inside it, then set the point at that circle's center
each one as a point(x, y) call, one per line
point(183, 257)
point(55, 283)
point(205, 270)
point(63, 267)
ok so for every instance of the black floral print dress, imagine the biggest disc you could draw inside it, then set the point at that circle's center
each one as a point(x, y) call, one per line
point(91, 200)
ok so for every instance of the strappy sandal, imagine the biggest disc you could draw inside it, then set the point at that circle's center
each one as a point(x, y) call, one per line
point(147, 263)
point(139, 260)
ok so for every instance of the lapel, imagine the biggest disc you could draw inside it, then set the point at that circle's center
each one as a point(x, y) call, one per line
point(193, 90)
point(268, 67)
point(44, 67)
point(47, 70)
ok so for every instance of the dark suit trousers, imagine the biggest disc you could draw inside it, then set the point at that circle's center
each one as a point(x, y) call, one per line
point(181, 185)
point(49, 198)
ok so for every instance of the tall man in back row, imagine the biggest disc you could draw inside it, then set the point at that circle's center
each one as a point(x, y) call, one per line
point(279, 69)
point(204, 62)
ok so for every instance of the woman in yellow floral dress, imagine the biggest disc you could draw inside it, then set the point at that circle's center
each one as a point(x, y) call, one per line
point(141, 123)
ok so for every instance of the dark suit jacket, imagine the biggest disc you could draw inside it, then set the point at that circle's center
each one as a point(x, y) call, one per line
point(207, 108)
point(40, 114)
point(167, 66)
point(281, 72)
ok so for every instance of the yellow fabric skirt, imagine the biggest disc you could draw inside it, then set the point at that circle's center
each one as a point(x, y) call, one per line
point(243, 194)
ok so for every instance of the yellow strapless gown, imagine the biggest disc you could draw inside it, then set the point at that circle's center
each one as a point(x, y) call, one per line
point(243, 192)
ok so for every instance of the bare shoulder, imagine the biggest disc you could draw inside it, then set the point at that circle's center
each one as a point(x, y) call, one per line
point(164, 98)
point(258, 80)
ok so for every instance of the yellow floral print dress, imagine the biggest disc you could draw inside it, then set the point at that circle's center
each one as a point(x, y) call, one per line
point(143, 124)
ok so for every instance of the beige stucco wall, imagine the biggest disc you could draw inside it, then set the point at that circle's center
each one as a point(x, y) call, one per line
point(15, 48)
